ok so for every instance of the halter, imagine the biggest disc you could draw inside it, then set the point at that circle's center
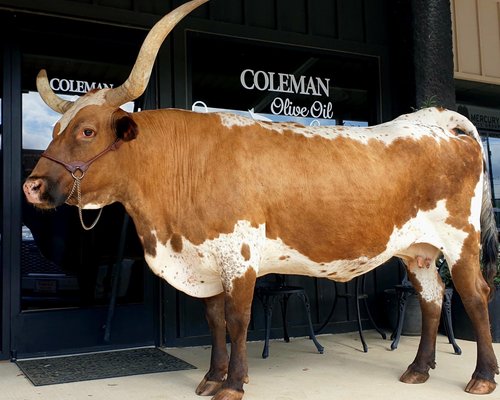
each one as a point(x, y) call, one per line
point(77, 170)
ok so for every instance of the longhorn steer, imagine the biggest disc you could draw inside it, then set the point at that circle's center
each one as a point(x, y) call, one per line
point(219, 200)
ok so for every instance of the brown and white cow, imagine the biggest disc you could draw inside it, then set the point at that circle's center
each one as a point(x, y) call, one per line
point(218, 200)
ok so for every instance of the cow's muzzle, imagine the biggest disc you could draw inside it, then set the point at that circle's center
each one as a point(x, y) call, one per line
point(33, 188)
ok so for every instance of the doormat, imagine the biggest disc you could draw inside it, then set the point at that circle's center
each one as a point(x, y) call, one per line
point(86, 367)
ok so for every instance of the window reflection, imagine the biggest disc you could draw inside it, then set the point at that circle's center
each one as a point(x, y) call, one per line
point(491, 144)
point(61, 265)
point(1, 185)
point(494, 145)
point(39, 120)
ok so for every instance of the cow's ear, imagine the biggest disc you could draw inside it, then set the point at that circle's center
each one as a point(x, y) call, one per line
point(125, 127)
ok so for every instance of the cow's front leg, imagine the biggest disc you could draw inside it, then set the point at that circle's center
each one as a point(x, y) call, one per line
point(219, 360)
point(429, 286)
point(238, 303)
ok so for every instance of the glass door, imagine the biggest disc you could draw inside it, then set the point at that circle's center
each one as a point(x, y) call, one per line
point(68, 279)
point(3, 295)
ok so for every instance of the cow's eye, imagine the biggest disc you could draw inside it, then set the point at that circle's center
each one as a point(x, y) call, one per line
point(88, 133)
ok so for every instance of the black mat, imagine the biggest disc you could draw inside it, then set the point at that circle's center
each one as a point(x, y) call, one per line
point(51, 371)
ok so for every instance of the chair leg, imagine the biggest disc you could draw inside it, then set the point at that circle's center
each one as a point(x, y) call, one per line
point(399, 300)
point(358, 313)
point(446, 317)
point(367, 309)
point(396, 335)
point(268, 311)
point(372, 321)
point(284, 306)
point(312, 336)
point(332, 310)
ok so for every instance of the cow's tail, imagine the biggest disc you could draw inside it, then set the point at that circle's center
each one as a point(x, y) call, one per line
point(489, 235)
point(489, 230)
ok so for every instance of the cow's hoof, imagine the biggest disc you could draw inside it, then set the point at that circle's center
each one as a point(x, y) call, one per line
point(412, 376)
point(208, 388)
point(228, 394)
point(480, 386)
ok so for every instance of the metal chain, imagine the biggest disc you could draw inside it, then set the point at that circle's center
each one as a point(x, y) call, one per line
point(76, 185)
point(72, 190)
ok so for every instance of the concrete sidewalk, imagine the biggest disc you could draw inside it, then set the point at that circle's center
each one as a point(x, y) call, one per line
point(293, 371)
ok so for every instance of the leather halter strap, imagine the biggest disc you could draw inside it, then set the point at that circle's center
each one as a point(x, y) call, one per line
point(82, 166)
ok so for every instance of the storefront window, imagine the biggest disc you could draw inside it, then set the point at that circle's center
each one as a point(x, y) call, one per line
point(61, 264)
point(491, 144)
point(38, 120)
point(274, 82)
point(1, 185)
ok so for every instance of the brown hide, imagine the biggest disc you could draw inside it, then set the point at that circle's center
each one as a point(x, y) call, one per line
point(329, 199)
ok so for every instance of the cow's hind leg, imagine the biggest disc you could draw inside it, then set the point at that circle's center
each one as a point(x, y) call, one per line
point(238, 303)
point(219, 360)
point(474, 292)
point(424, 277)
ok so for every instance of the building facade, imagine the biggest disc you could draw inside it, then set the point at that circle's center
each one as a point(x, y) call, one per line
point(313, 61)
point(476, 49)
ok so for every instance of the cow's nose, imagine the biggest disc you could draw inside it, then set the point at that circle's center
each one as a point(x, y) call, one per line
point(33, 188)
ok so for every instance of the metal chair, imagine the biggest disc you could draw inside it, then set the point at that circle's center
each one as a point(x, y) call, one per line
point(268, 293)
point(360, 295)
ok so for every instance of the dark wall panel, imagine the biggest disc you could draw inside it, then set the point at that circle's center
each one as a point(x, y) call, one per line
point(376, 21)
point(121, 4)
point(292, 15)
point(323, 18)
point(351, 20)
point(261, 13)
point(157, 7)
point(227, 11)
point(361, 21)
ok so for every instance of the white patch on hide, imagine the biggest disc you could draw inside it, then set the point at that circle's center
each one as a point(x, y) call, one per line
point(476, 204)
point(93, 206)
point(411, 126)
point(445, 119)
point(190, 271)
point(209, 268)
point(230, 120)
point(97, 98)
point(432, 291)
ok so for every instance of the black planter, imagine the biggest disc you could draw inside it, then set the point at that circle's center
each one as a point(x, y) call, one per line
point(462, 326)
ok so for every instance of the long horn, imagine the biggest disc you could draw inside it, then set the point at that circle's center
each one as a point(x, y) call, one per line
point(48, 96)
point(138, 79)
